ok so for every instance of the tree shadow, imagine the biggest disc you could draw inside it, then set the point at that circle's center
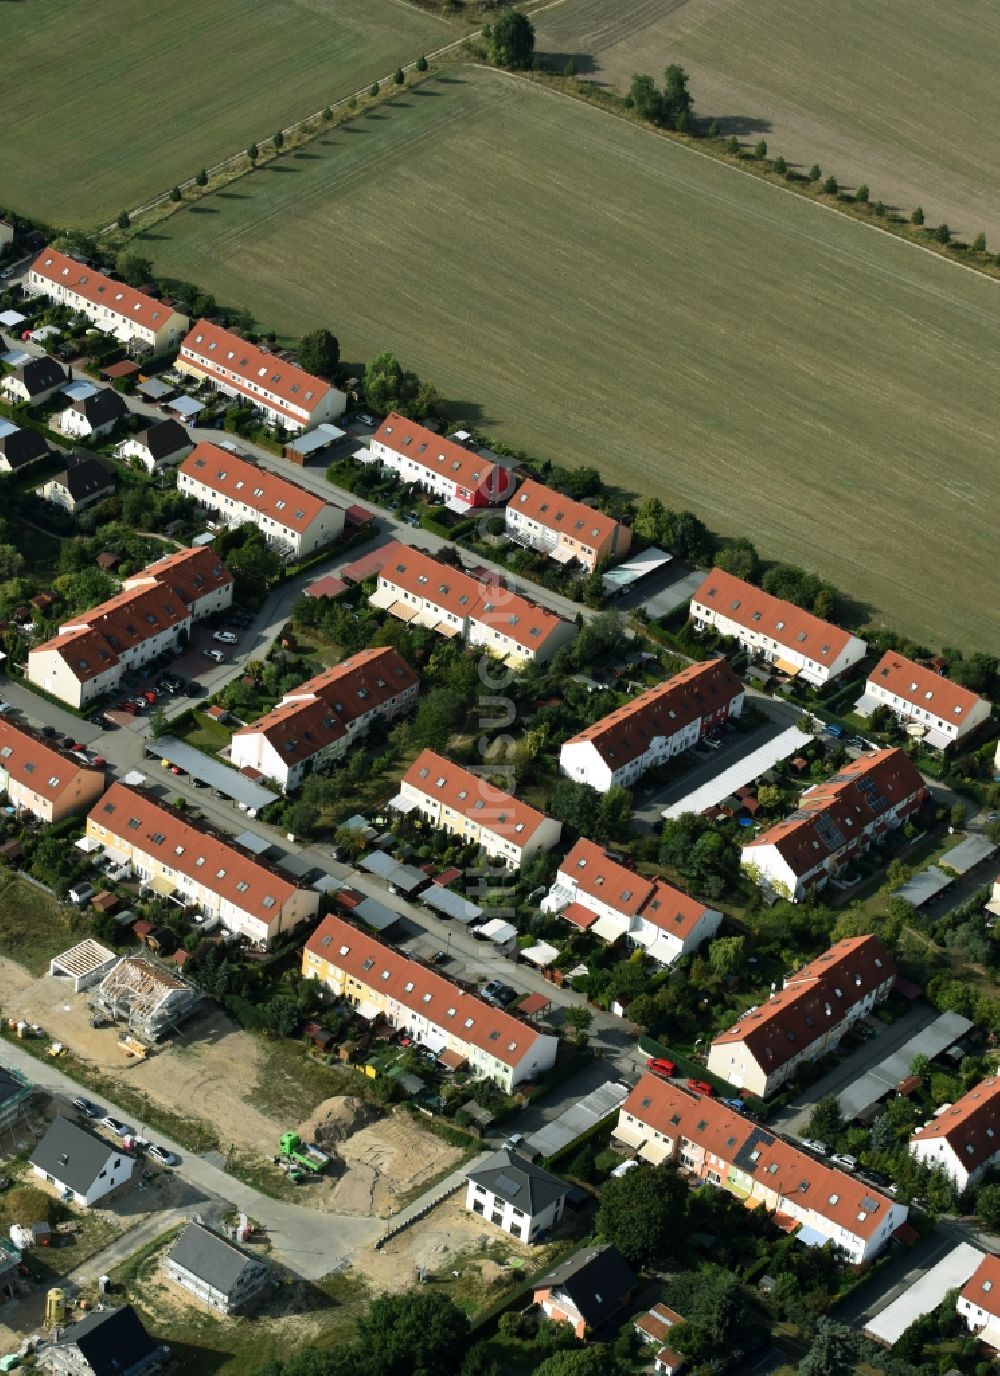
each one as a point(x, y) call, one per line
point(232, 195)
point(584, 62)
point(148, 234)
point(203, 209)
point(425, 91)
point(306, 157)
point(279, 167)
point(469, 412)
point(734, 125)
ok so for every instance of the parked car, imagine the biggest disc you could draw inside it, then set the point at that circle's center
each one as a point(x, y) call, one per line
point(702, 1087)
point(165, 1158)
point(832, 729)
point(215, 655)
point(88, 1107)
point(842, 1158)
point(659, 1065)
point(712, 742)
point(514, 1140)
point(115, 1125)
point(226, 637)
point(814, 1144)
point(439, 957)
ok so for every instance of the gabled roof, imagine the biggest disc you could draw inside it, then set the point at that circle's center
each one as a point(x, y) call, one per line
point(72, 1155)
point(665, 1108)
point(551, 509)
point(983, 1287)
point(220, 866)
point(244, 482)
point(597, 1279)
point(84, 477)
point(34, 763)
point(814, 999)
point(319, 711)
point(661, 711)
point(21, 447)
point(655, 901)
point(924, 688)
point(781, 621)
point(442, 457)
point(164, 438)
point(100, 407)
point(40, 374)
point(971, 1126)
point(99, 290)
point(519, 1182)
point(474, 797)
point(211, 1258)
point(190, 573)
point(248, 367)
point(111, 1341)
point(423, 990)
point(831, 814)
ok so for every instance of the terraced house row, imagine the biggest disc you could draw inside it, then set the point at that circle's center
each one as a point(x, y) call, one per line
point(113, 306)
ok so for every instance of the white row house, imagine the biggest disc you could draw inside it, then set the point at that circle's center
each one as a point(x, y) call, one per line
point(962, 1139)
point(114, 307)
point(913, 693)
point(460, 477)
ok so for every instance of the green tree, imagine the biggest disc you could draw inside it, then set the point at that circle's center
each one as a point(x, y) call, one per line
point(988, 1205)
point(576, 1361)
point(920, 1065)
point(319, 353)
point(422, 63)
point(733, 146)
point(642, 1213)
point(726, 955)
point(11, 562)
point(124, 220)
point(958, 815)
point(942, 234)
point(202, 178)
point(158, 723)
point(278, 140)
point(715, 129)
point(739, 557)
point(511, 41)
point(760, 150)
point(979, 243)
point(175, 194)
point(720, 1317)
point(416, 1333)
point(253, 152)
point(830, 187)
point(570, 68)
point(836, 1351)
point(373, 89)
point(328, 114)
point(826, 1121)
point(815, 172)
point(917, 218)
point(861, 195)
point(579, 1018)
point(677, 102)
point(388, 387)
point(398, 76)
point(780, 166)
point(645, 99)
point(135, 269)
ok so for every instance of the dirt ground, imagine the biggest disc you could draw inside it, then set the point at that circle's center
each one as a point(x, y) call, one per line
point(211, 1070)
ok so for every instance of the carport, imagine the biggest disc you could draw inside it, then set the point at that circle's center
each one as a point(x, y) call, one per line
point(743, 772)
point(951, 1273)
point(450, 904)
point(883, 1078)
point(249, 796)
point(579, 1118)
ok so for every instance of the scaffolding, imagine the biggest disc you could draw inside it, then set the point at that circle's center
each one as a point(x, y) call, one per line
point(148, 997)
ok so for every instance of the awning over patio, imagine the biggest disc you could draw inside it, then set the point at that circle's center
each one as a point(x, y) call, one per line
point(160, 884)
point(579, 916)
point(401, 804)
point(607, 929)
point(811, 1237)
point(368, 1010)
point(786, 667)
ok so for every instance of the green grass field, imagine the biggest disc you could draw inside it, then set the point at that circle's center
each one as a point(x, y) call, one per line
point(116, 104)
point(901, 94)
point(607, 297)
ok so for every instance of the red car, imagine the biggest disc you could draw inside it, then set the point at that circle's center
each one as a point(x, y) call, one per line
point(659, 1065)
point(150, 696)
point(702, 1087)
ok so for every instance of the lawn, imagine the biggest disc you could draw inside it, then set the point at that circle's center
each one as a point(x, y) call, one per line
point(116, 106)
point(845, 85)
point(596, 294)
point(36, 926)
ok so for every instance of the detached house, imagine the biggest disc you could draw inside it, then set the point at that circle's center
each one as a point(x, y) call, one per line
point(20, 448)
point(661, 1123)
point(653, 1328)
point(979, 1302)
point(285, 394)
point(459, 477)
point(653, 727)
point(468, 806)
point(171, 855)
point(946, 710)
point(114, 307)
point(566, 530)
point(84, 481)
point(107, 1342)
point(793, 640)
point(42, 780)
point(154, 611)
point(378, 981)
point(423, 591)
point(158, 446)
point(78, 1164)
point(241, 493)
point(587, 1289)
point(834, 823)
point(594, 893)
point(514, 1194)
point(319, 720)
point(962, 1139)
point(33, 382)
point(93, 415)
point(215, 1271)
point(806, 1019)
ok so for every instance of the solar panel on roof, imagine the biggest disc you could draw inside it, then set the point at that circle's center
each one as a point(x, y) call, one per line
point(505, 1185)
point(829, 832)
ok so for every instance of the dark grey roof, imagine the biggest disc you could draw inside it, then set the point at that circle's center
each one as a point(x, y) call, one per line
point(21, 447)
point(39, 374)
point(164, 438)
point(102, 406)
point(72, 1155)
point(111, 1341)
point(519, 1181)
point(210, 1257)
point(10, 1086)
point(85, 476)
point(597, 1279)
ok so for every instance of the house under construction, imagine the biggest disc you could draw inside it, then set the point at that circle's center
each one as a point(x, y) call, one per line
point(152, 999)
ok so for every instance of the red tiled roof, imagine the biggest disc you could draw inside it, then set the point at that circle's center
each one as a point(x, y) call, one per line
point(220, 866)
point(579, 916)
point(444, 458)
point(35, 764)
point(192, 573)
point(782, 1168)
point(971, 1126)
point(562, 514)
point(430, 994)
point(781, 621)
point(923, 688)
point(814, 999)
point(245, 363)
point(661, 711)
point(264, 492)
point(318, 712)
point(534, 1003)
point(474, 797)
point(983, 1287)
point(654, 900)
point(831, 814)
point(329, 586)
point(356, 515)
point(119, 297)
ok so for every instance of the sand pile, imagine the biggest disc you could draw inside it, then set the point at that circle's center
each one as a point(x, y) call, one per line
point(336, 1119)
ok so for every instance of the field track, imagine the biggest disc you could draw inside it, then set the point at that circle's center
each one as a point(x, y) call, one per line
point(605, 297)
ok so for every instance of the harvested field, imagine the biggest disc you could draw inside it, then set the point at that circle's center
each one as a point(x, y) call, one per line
point(845, 85)
point(190, 84)
point(783, 371)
